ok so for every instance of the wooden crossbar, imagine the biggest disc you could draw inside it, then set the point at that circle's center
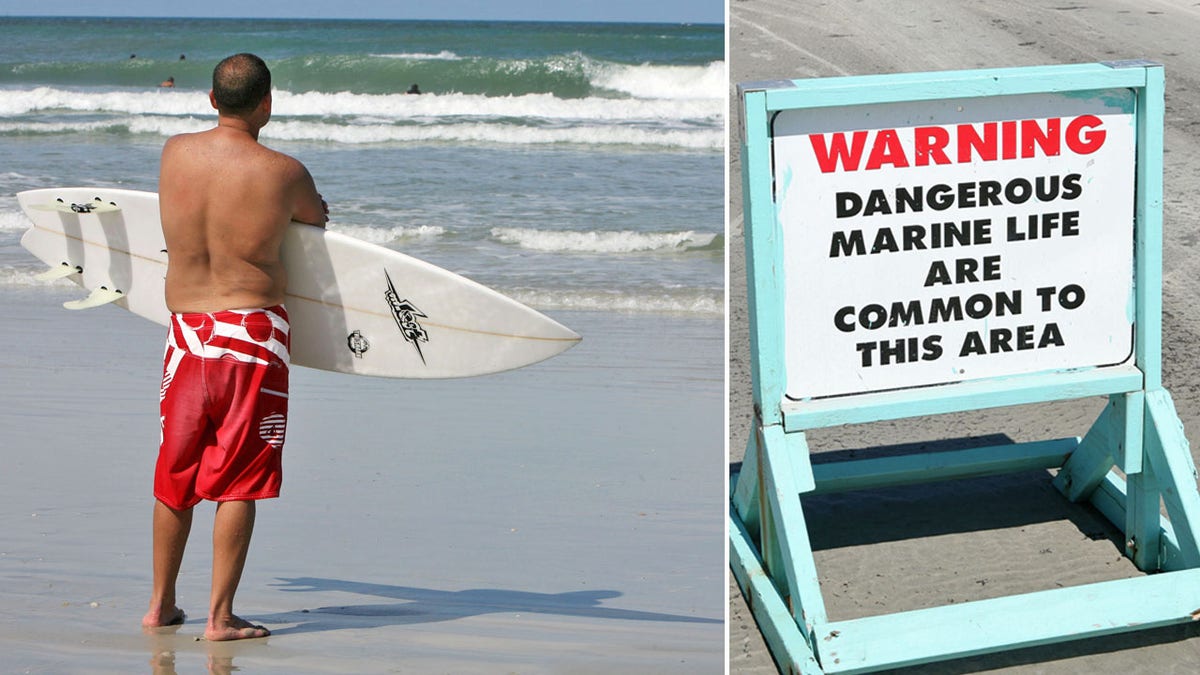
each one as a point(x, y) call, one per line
point(929, 467)
point(829, 412)
point(983, 626)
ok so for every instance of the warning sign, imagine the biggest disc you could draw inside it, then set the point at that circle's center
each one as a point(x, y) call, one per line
point(927, 243)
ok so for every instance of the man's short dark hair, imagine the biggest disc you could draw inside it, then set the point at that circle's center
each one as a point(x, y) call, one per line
point(240, 83)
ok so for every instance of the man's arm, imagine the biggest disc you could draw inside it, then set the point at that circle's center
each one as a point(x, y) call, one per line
point(308, 206)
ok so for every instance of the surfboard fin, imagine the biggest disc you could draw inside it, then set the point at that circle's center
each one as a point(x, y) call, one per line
point(99, 296)
point(97, 205)
point(60, 272)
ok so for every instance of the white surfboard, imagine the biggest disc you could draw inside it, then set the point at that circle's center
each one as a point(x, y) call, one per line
point(354, 307)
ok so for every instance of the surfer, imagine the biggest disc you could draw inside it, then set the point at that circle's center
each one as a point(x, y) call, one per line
point(225, 202)
point(169, 82)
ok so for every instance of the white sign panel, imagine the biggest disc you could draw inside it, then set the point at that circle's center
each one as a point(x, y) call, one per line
point(943, 241)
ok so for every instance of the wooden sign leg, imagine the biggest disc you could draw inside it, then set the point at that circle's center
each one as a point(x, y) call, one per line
point(766, 506)
point(1169, 454)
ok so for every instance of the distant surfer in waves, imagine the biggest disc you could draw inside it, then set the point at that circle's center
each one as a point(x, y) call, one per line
point(225, 202)
point(413, 90)
point(169, 82)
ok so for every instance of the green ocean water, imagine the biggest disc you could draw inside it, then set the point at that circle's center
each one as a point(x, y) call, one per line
point(376, 57)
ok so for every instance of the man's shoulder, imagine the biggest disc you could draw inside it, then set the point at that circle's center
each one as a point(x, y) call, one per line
point(287, 166)
point(282, 158)
point(187, 140)
point(179, 140)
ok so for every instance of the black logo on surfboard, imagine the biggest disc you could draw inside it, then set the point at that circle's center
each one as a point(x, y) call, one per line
point(406, 315)
point(357, 343)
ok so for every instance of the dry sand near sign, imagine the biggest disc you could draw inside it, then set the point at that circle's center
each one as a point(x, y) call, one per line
point(908, 548)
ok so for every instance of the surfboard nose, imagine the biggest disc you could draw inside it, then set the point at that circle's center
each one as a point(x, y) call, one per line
point(565, 334)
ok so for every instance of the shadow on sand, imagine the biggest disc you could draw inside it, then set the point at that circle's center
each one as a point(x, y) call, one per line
point(423, 605)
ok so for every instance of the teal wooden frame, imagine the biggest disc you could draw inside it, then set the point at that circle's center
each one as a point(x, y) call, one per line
point(1138, 432)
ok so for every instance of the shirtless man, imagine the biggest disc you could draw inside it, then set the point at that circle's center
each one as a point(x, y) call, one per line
point(225, 202)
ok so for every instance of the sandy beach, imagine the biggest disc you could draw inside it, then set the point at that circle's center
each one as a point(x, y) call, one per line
point(558, 518)
point(908, 548)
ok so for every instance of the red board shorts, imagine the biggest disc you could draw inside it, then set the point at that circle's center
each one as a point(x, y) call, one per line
point(223, 406)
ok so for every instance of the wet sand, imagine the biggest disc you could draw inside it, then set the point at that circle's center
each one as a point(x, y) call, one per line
point(558, 518)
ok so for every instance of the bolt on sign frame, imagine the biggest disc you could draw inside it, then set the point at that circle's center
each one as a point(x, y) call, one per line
point(930, 243)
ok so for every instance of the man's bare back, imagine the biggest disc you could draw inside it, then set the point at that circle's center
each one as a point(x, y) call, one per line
point(225, 202)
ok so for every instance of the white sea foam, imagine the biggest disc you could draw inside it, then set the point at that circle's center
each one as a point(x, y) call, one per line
point(443, 55)
point(13, 221)
point(625, 241)
point(528, 106)
point(397, 107)
point(496, 133)
point(691, 302)
point(364, 118)
point(25, 277)
point(385, 235)
point(165, 126)
point(664, 82)
point(159, 102)
point(386, 133)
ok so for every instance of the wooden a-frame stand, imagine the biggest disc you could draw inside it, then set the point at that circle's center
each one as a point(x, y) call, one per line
point(1134, 455)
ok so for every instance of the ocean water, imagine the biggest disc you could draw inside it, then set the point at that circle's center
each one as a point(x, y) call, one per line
point(574, 167)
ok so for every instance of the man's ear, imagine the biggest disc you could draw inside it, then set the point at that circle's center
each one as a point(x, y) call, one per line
point(212, 100)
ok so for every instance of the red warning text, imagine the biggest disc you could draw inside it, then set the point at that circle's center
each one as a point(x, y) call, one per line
point(958, 144)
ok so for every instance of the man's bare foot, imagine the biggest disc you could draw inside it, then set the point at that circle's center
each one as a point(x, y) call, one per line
point(236, 628)
point(159, 617)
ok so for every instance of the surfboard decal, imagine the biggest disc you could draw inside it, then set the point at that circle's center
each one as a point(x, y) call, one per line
point(405, 313)
point(357, 344)
point(462, 329)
